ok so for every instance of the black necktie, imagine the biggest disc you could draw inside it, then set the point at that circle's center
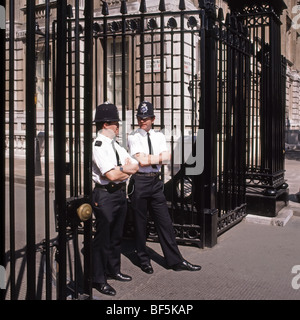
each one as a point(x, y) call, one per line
point(116, 152)
point(150, 149)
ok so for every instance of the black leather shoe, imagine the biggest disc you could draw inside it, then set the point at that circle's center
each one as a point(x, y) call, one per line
point(185, 265)
point(120, 277)
point(148, 269)
point(105, 288)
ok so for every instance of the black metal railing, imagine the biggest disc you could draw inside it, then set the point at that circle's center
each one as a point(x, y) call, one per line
point(2, 154)
point(265, 114)
point(219, 97)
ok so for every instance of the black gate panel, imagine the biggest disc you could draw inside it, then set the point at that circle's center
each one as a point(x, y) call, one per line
point(156, 57)
point(218, 95)
point(233, 86)
point(266, 188)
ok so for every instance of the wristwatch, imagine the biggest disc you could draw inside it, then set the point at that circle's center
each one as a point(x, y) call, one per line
point(121, 168)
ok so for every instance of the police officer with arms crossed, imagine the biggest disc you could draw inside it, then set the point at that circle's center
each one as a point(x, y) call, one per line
point(111, 167)
point(149, 148)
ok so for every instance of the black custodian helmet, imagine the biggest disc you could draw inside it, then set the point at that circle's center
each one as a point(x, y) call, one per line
point(106, 112)
point(145, 110)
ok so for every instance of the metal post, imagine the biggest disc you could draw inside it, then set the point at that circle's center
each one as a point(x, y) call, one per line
point(124, 51)
point(143, 10)
point(11, 150)
point(60, 144)
point(162, 8)
point(88, 104)
point(30, 150)
point(210, 133)
point(210, 111)
point(77, 162)
point(2, 146)
point(46, 153)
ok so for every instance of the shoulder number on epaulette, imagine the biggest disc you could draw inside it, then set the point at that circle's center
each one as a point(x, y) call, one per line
point(98, 143)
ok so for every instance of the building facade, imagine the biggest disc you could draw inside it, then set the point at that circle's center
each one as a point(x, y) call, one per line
point(290, 33)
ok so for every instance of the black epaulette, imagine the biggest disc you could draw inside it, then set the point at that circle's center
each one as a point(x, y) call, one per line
point(98, 143)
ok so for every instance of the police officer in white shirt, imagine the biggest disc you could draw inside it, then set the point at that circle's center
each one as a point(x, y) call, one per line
point(149, 148)
point(111, 168)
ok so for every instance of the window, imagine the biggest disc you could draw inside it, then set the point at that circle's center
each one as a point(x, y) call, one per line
point(40, 78)
point(114, 73)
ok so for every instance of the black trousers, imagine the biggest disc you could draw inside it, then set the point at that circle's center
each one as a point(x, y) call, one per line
point(148, 191)
point(110, 213)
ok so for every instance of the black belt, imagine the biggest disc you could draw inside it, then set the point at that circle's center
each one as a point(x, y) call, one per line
point(112, 187)
point(147, 174)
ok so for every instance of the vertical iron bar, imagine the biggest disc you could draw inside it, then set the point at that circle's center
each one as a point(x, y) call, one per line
point(124, 93)
point(220, 120)
point(96, 68)
point(162, 75)
point(71, 150)
point(30, 149)
point(182, 107)
point(172, 122)
point(273, 101)
point(124, 66)
point(104, 58)
point(46, 154)
point(257, 113)
point(233, 115)
point(133, 57)
point(60, 144)
point(76, 261)
point(114, 69)
point(77, 102)
point(152, 67)
point(2, 148)
point(200, 179)
point(249, 103)
point(210, 114)
point(88, 104)
point(70, 106)
point(193, 142)
point(11, 150)
point(142, 57)
point(54, 25)
point(227, 128)
point(263, 97)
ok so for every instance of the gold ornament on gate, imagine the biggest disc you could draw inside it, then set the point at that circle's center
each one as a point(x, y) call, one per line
point(84, 212)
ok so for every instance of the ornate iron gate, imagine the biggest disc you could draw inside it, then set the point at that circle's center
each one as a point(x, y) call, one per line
point(266, 188)
point(195, 66)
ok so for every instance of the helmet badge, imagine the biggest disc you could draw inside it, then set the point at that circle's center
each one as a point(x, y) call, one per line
point(144, 108)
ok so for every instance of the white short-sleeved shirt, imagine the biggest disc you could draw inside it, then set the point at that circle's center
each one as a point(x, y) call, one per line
point(104, 158)
point(138, 143)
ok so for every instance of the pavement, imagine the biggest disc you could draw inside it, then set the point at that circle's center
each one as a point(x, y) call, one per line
point(258, 259)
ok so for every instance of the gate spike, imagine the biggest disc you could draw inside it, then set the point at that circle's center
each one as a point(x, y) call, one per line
point(182, 5)
point(220, 14)
point(123, 7)
point(162, 6)
point(105, 8)
point(143, 8)
point(227, 21)
point(201, 4)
